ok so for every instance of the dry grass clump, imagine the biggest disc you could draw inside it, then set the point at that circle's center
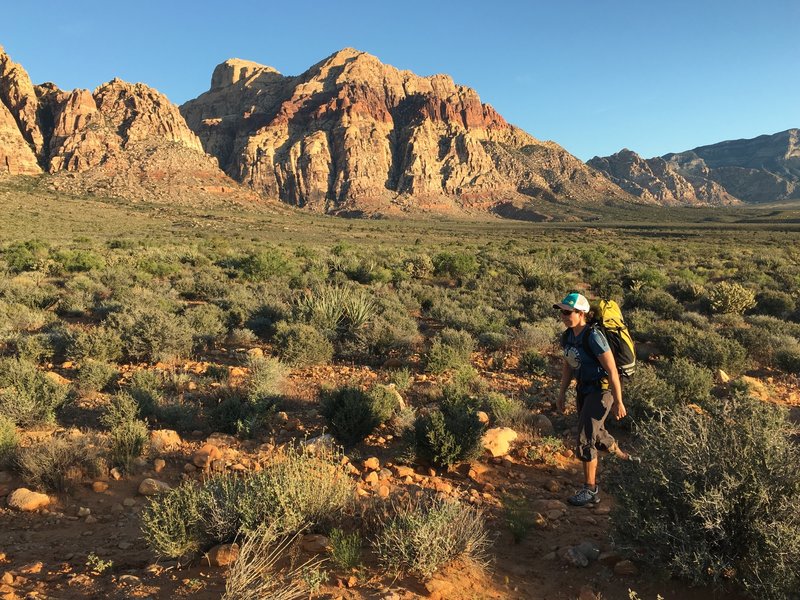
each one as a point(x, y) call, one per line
point(424, 533)
point(59, 463)
point(255, 575)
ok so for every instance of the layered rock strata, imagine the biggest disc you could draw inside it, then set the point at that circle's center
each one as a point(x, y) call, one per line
point(352, 132)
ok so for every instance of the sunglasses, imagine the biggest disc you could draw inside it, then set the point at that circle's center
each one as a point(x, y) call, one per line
point(567, 312)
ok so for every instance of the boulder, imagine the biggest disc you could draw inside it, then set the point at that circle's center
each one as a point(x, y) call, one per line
point(164, 440)
point(497, 441)
point(25, 500)
point(223, 555)
point(153, 487)
point(206, 455)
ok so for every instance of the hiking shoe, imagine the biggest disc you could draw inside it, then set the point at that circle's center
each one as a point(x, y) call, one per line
point(586, 496)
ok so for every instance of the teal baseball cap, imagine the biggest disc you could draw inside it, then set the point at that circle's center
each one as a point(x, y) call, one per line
point(574, 301)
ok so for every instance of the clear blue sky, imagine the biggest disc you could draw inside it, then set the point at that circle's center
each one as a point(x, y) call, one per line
point(592, 75)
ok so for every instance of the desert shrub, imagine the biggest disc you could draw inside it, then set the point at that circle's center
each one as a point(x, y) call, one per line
point(34, 347)
point(646, 394)
point(533, 363)
point(59, 463)
point(774, 325)
point(706, 348)
point(457, 265)
point(301, 345)
point(28, 396)
point(297, 488)
point(540, 336)
point(147, 389)
point(425, 533)
point(76, 261)
point(493, 340)
point(97, 343)
point(726, 297)
point(787, 357)
point(263, 265)
point(94, 376)
point(207, 323)
point(128, 441)
point(689, 382)
point(255, 576)
point(544, 449)
point(419, 266)
point(658, 301)
point(345, 548)
point(353, 413)
point(448, 436)
point(507, 412)
point(518, 517)
point(637, 276)
point(244, 410)
point(774, 303)
point(8, 442)
point(151, 334)
point(717, 501)
point(450, 349)
point(401, 378)
point(172, 523)
point(241, 336)
point(265, 317)
point(25, 256)
point(686, 291)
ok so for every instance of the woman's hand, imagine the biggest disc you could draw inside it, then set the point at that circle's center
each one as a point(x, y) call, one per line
point(561, 403)
point(618, 410)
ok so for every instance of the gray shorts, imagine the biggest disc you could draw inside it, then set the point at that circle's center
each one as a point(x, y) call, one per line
point(593, 409)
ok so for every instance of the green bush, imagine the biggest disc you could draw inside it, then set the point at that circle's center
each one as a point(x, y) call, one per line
point(147, 389)
point(450, 349)
point(76, 261)
point(533, 363)
point(97, 343)
point(95, 376)
point(172, 524)
point(150, 334)
point(353, 413)
point(25, 256)
point(128, 441)
point(507, 412)
point(448, 436)
point(35, 347)
point(658, 301)
point(28, 396)
point(9, 441)
point(301, 345)
point(457, 265)
point(646, 394)
point(726, 297)
point(345, 549)
point(690, 383)
point(207, 323)
point(717, 501)
point(787, 358)
point(775, 303)
point(425, 533)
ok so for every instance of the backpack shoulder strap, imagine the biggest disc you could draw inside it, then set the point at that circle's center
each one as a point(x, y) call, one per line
point(593, 326)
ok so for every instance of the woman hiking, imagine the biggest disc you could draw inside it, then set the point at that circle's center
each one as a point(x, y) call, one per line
point(598, 391)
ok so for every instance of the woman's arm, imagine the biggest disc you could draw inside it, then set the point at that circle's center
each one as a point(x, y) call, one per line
point(606, 360)
point(566, 379)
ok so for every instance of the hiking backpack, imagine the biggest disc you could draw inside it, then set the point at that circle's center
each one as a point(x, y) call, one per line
point(608, 319)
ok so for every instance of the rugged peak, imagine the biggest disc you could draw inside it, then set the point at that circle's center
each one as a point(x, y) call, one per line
point(234, 70)
point(19, 96)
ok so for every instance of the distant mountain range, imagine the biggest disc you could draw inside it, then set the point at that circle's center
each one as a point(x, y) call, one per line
point(351, 136)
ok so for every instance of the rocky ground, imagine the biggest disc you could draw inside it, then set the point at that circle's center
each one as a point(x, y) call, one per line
point(88, 544)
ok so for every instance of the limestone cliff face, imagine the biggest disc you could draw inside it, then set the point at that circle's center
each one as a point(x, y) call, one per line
point(354, 133)
point(121, 140)
point(19, 98)
point(659, 182)
point(757, 170)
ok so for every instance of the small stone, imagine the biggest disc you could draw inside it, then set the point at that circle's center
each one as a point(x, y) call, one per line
point(372, 464)
point(25, 500)
point(130, 580)
point(403, 471)
point(543, 426)
point(482, 416)
point(129, 502)
point(497, 441)
point(8, 578)
point(223, 555)
point(371, 478)
point(575, 558)
point(90, 520)
point(115, 474)
point(555, 515)
point(314, 543)
point(99, 486)
point(159, 464)
point(164, 440)
point(625, 568)
point(553, 486)
point(189, 468)
point(383, 491)
point(124, 545)
point(722, 376)
point(539, 521)
point(84, 512)
point(207, 454)
point(589, 550)
point(153, 487)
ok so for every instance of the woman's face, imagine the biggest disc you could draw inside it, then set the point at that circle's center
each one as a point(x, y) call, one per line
point(572, 318)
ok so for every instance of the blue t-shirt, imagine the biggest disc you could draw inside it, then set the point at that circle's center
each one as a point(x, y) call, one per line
point(586, 369)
